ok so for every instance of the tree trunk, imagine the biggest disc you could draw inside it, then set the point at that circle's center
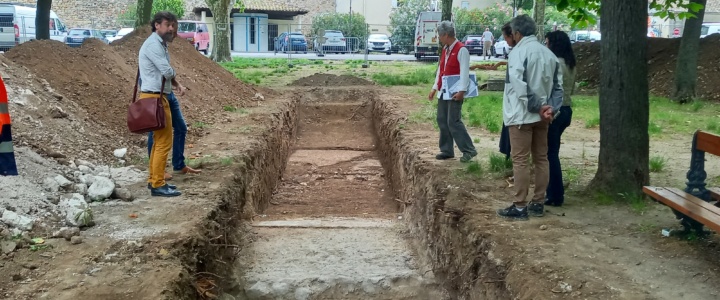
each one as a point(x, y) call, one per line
point(221, 37)
point(144, 11)
point(42, 20)
point(624, 105)
point(686, 70)
point(447, 10)
point(539, 17)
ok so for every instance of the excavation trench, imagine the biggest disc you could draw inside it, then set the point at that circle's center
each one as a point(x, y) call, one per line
point(355, 214)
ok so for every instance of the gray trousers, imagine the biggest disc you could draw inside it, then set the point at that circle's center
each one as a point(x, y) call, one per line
point(449, 118)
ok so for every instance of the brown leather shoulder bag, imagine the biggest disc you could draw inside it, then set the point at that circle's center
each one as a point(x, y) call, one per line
point(146, 114)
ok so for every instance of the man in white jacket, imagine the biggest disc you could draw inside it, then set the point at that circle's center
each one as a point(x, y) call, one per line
point(532, 84)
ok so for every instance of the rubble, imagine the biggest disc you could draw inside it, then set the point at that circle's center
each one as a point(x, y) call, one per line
point(101, 188)
point(71, 206)
point(18, 221)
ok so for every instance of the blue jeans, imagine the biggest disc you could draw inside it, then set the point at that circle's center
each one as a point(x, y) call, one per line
point(179, 132)
point(556, 190)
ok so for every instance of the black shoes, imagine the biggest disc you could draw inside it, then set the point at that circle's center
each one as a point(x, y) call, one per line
point(444, 156)
point(536, 209)
point(164, 191)
point(169, 185)
point(513, 213)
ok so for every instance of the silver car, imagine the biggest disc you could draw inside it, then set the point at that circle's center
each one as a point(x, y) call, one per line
point(379, 43)
point(334, 42)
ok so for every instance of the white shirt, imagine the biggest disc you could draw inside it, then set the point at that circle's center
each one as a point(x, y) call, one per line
point(488, 36)
point(464, 58)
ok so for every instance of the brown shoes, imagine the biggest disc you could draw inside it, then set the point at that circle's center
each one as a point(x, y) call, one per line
point(188, 170)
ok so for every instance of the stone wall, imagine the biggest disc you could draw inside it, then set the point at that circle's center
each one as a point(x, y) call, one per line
point(102, 14)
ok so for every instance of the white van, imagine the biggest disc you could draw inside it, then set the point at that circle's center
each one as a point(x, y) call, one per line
point(426, 37)
point(23, 24)
point(709, 28)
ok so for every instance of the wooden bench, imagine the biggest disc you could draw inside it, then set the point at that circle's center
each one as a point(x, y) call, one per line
point(697, 205)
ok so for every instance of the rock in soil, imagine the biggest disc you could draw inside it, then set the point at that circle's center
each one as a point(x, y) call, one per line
point(76, 240)
point(7, 246)
point(71, 206)
point(62, 181)
point(123, 194)
point(101, 188)
point(66, 232)
point(18, 221)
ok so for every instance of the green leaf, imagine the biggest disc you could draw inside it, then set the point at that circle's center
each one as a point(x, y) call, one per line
point(694, 7)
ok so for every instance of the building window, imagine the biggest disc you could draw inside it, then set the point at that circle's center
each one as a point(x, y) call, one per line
point(252, 31)
point(465, 5)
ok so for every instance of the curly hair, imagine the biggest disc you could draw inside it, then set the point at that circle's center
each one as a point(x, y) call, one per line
point(162, 16)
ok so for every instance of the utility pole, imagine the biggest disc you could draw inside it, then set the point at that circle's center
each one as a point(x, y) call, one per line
point(351, 24)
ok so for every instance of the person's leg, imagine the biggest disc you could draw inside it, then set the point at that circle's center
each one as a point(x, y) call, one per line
point(505, 141)
point(539, 149)
point(521, 140)
point(446, 141)
point(162, 143)
point(556, 189)
point(459, 132)
point(555, 184)
point(150, 143)
point(179, 133)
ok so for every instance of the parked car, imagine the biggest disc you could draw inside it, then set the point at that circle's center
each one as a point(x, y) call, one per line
point(501, 48)
point(474, 44)
point(17, 25)
point(77, 36)
point(584, 36)
point(120, 34)
point(334, 42)
point(108, 33)
point(291, 41)
point(196, 33)
point(379, 43)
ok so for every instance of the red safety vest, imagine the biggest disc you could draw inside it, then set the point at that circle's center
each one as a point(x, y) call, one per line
point(449, 65)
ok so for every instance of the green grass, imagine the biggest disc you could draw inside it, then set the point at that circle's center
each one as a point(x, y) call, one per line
point(199, 124)
point(571, 174)
point(498, 163)
point(476, 140)
point(229, 108)
point(226, 161)
point(420, 75)
point(475, 168)
point(255, 70)
point(635, 201)
point(484, 111)
point(657, 164)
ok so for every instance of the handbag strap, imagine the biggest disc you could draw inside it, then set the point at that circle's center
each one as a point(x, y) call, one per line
point(137, 81)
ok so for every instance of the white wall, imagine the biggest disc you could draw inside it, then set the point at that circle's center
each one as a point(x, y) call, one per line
point(242, 32)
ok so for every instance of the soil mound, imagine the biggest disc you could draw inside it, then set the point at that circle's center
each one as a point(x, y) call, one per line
point(99, 78)
point(330, 80)
point(662, 60)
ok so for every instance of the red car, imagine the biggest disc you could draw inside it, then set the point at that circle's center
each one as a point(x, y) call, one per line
point(196, 33)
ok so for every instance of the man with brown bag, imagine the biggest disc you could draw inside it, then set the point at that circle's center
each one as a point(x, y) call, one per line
point(155, 71)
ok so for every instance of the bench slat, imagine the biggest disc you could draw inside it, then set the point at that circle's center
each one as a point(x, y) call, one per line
point(704, 215)
point(699, 202)
point(714, 193)
point(708, 142)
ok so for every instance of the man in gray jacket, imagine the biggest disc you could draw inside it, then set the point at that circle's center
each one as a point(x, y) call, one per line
point(532, 83)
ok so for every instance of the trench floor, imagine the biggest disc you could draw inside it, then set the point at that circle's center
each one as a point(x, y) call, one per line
point(332, 230)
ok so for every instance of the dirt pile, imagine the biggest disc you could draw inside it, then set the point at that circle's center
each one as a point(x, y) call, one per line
point(99, 78)
point(330, 80)
point(662, 60)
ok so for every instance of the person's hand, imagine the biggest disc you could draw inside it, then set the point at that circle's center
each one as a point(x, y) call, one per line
point(459, 96)
point(431, 97)
point(546, 113)
point(181, 90)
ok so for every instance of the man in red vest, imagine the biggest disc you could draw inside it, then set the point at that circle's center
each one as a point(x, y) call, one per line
point(454, 60)
point(7, 156)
